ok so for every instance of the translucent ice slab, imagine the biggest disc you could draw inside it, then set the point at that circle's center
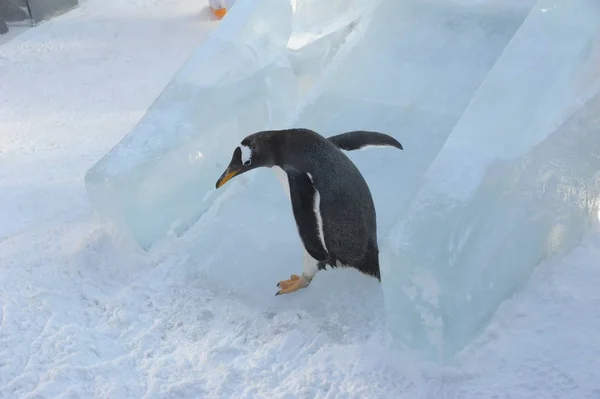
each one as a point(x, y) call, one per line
point(248, 75)
point(495, 102)
point(411, 75)
point(515, 182)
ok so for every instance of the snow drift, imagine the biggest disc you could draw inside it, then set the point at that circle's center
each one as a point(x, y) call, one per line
point(496, 104)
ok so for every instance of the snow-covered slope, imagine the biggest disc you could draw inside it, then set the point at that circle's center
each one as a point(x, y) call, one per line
point(85, 314)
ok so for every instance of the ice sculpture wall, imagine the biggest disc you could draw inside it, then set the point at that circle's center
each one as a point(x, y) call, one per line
point(515, 182)
point(496, 103)
point(412, 75)
point(249, 75)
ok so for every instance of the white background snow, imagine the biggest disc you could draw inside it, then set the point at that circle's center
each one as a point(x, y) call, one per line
point(85, 314)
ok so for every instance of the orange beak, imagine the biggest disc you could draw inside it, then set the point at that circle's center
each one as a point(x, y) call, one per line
point(225, 177)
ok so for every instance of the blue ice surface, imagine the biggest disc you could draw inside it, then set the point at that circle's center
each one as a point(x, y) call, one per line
point(515, 182)
point(493, 101)
point(247, 76)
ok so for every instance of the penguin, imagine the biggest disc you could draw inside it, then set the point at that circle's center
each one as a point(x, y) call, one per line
point(331, 201)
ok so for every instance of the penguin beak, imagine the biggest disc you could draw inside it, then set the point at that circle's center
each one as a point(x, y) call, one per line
point(226, 176)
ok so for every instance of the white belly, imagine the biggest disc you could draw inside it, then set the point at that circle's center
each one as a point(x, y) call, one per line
point(283, 179)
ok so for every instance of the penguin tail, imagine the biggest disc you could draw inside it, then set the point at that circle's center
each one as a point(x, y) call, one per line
point(358, 139)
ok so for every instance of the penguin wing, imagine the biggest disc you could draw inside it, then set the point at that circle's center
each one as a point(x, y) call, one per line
point(305, 204)
point(358, 139)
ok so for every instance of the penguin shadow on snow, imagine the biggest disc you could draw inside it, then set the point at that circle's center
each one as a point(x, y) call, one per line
point(260, 245)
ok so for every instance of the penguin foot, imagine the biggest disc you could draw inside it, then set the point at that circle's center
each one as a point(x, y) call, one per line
point(293, 284)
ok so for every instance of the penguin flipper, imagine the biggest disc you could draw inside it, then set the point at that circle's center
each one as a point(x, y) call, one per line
point(358, 139)
point(305, 205)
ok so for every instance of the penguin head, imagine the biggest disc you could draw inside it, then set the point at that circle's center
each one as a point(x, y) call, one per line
point(253, 152)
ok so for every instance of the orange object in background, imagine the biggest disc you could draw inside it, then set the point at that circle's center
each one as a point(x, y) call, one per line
point(219, 12)
point(220, 8)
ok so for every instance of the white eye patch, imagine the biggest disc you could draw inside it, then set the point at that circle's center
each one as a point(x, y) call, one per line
point(246, 154)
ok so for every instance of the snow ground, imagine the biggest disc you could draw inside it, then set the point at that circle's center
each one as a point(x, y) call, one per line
point(13, 31)
point(83, 314)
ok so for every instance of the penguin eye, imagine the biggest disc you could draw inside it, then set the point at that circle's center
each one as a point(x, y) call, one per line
point(248, 162)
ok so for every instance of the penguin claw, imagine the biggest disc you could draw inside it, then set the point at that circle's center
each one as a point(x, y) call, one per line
point(293, 284)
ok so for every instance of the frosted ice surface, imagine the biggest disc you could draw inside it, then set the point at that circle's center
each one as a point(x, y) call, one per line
point(494, 102)
point(160, 178)
point(411, 75)
point(516, 181)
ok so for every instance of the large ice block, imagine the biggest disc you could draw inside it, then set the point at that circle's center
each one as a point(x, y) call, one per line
point(515, 182)
point(412, 75)
point(494, 102)
point(248, 75)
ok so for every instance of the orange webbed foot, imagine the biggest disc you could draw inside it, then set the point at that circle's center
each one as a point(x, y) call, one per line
point(293, 284)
